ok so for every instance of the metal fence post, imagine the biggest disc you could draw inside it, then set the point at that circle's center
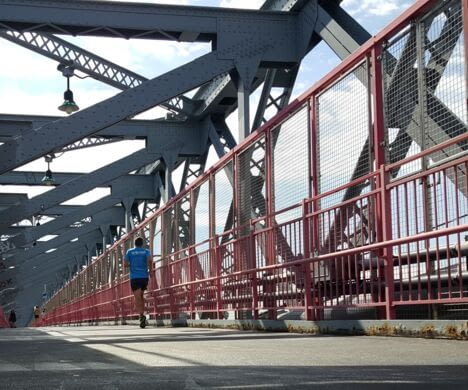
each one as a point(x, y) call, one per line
point(383, 207)
point(308, 311)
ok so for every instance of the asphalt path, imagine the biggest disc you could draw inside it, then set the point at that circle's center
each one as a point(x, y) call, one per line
point(127, 357)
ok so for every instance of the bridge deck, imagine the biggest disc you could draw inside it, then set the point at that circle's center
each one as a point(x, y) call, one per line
point(188, 358)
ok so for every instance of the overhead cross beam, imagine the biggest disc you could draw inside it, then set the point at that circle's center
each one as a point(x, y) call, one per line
point(17, 126)
point(88, 63)
point(125, 20)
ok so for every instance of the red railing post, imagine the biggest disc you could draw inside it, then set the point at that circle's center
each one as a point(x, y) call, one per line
point(314, 247)
point(309, 316)
point(192, 257)
point(217, 255)
point(383, 206)
point(253, 274)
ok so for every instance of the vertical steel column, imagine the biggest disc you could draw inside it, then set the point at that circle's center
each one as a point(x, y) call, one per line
point(243, 97)
point(383, 209)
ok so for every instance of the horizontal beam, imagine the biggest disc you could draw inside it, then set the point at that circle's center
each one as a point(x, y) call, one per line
point(126, 20)
point(24, 178)
point(11, 199)
point(19, 125)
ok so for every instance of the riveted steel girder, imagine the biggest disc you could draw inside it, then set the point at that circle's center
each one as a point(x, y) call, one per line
point(126, 20)
point(24, 178)
point(14, 126)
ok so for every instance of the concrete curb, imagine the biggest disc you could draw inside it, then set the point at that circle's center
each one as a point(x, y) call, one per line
point(451, 329)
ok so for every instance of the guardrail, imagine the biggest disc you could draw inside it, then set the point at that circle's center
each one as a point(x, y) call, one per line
point(354, 198)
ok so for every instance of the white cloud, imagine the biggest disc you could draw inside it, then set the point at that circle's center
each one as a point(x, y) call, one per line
point(250, 4)
point(374, 7)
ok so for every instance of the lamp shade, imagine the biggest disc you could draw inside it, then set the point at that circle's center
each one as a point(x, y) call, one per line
point(48, 179)
point(69, 106)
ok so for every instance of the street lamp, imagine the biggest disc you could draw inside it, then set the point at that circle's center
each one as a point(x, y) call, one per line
point(69, 106)
point(48, 179)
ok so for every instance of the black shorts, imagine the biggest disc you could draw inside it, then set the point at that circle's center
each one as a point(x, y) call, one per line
point(140, 283)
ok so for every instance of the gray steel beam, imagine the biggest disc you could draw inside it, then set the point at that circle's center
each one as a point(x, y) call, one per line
point(88, 240)
point(137, 186)
point(113, 216)
point(58, 224)
point(284, 79)
point(25, 178)
point(342, 33)
point(125, 20)
point(34, 144)
point(220, 96)
point(11, 199)
point(20, 125)
point(75, 187)
point(106, 175)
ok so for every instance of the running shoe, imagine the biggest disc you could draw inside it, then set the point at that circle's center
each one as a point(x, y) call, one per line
point(142, 322)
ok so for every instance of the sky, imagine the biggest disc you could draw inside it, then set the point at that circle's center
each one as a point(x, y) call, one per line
point(31, 83)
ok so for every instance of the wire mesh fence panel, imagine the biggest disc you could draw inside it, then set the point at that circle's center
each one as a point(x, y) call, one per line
point(183, 221)
point(403, 122)
point(444, 79)
point(224, 199)
point(290, 163)
point(201, 213)
point(343, 151)
point(251, 188)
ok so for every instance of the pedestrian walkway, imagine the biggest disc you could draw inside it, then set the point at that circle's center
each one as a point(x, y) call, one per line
point(127, 357)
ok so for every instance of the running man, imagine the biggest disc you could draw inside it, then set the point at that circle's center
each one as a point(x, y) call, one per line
point(139, 260)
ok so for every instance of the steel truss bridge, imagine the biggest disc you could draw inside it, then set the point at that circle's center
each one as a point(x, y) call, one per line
point(349, 202)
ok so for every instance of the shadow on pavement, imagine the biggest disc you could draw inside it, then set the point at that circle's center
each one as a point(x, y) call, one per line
point(33, 359)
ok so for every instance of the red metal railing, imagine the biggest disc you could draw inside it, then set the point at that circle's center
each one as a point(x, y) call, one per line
point(381, 225)
point(4, 323)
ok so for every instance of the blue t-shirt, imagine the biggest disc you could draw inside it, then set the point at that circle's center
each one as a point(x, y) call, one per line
point(138, 263)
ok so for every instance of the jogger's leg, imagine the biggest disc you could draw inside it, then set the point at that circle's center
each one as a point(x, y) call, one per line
point(142, 302)
point(138, 301)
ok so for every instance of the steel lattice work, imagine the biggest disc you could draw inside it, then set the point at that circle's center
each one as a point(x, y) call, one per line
point(350, 203)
